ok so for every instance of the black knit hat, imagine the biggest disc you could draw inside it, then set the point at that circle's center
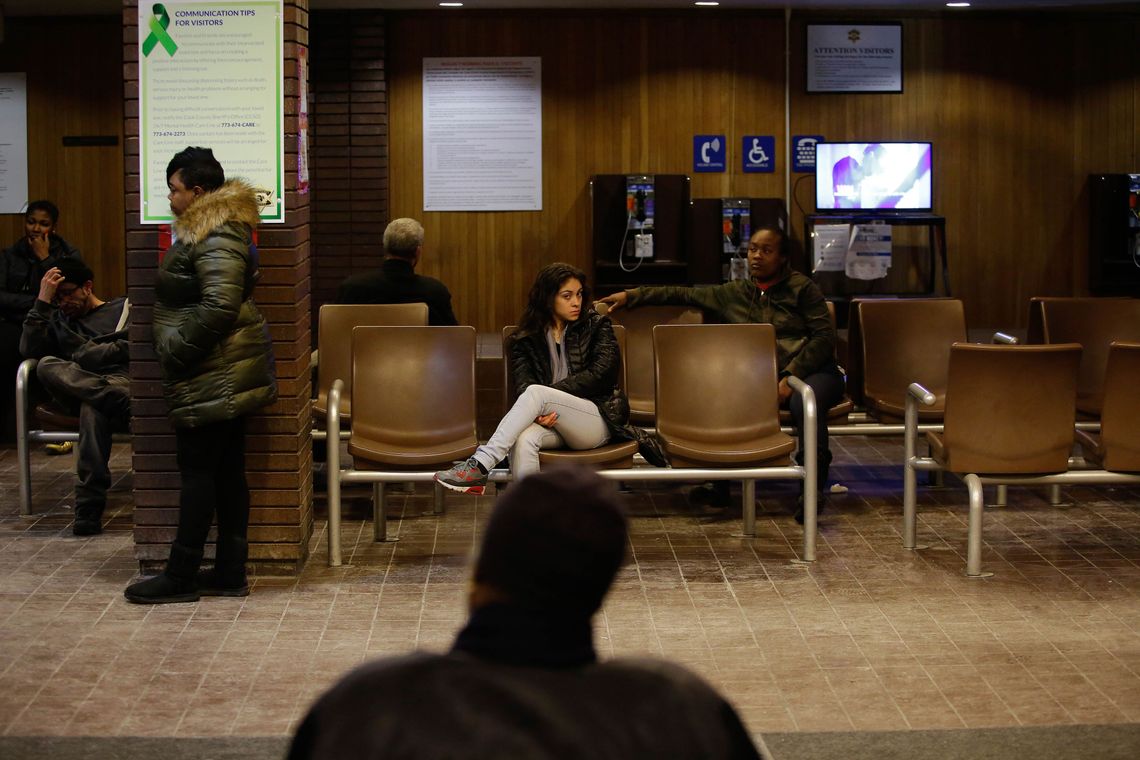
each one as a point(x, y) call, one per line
point(555, 542)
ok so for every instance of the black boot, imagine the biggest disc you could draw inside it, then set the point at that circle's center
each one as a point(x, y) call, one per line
point(227, 576)
point(174, 584)
point(88, 519)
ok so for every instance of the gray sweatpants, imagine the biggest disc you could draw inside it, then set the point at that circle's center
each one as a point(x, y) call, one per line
point(103, 403)
point(579, 426)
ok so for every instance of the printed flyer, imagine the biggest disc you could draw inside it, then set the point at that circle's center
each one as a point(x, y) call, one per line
point(211, 75)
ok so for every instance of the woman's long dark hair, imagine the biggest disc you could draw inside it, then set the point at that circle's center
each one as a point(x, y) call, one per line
point(539, 312)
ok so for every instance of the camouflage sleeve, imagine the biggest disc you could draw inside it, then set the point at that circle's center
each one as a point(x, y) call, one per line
point(709, 298)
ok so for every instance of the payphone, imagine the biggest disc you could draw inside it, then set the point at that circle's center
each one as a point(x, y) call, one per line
point(639, 203)
point(736, 229)
point(1114, 234)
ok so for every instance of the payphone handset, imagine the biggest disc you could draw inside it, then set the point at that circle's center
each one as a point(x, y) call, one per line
point(639, 204)
point(736, 229)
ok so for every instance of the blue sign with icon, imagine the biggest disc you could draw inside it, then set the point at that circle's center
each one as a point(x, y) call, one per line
point(709, 153)
point(803, 152)
point(758, 153)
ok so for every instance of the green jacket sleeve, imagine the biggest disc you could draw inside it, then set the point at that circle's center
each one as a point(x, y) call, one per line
point(712, 298)
point(819, 350)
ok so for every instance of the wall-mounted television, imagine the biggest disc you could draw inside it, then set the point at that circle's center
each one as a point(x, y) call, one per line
point(876, 176)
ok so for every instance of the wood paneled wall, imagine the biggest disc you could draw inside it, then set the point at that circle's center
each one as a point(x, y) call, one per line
point(1020, 108)
point(74, 74)
point(621, 93)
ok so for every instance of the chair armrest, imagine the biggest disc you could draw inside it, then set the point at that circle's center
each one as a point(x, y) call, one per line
point(800, 387)
point(1005, 339)
point(915, 395)
point(24, 375)
point(923, 396)
point(811, 412)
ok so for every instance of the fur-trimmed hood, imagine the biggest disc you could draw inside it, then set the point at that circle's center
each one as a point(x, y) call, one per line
point(234, 201)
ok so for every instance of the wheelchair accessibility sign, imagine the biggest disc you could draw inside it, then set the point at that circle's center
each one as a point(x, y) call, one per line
point(759, 153)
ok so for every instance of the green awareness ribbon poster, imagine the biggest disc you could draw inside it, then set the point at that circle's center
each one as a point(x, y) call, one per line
point(211, 75)
point(159, 22)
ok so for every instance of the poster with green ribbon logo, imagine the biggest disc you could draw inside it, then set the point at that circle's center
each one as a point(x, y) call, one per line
point(211, 74)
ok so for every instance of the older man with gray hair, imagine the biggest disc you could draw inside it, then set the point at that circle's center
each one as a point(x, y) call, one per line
point(396, 280)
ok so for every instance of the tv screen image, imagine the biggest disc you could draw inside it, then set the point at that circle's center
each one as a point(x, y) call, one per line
point(880, 176)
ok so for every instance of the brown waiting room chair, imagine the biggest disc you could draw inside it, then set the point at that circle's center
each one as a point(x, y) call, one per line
point(639, 324)
point(334, 344)
point(904, 341)
point(1035, 334)
point(1009, 414)
point(1117, 447)
point(416, 416)
point(611, 456)
point(1094, 323)
point(717, 409)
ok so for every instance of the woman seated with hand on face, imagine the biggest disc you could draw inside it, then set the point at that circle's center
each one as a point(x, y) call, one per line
point(565, 367)
point(22, 266)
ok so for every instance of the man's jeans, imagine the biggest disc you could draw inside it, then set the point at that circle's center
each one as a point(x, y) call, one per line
point(103, 404)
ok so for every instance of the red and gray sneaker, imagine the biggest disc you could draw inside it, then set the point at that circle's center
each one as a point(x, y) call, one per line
point(464, 477)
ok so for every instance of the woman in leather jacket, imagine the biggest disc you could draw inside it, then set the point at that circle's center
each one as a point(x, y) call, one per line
point(565, 366)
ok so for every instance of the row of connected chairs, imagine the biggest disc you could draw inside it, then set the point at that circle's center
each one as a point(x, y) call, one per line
point(909, 339)
point(892, 342)
point(716, 411)
point(1010, 419)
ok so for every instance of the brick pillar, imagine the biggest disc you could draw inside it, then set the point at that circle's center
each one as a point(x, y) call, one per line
point(279, 451)
point(349, 139)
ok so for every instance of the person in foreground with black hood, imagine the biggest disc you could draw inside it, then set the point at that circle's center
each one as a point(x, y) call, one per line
point(522, 680)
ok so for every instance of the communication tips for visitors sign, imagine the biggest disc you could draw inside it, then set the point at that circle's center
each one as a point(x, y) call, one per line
point(211, 75)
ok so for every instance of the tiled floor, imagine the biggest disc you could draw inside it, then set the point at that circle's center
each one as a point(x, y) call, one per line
point(868, 637)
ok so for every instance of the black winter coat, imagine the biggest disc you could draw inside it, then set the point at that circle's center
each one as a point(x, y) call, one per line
point(594, 364)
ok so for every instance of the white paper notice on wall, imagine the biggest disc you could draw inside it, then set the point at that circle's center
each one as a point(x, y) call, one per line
point(829, 247)
point(869, 251)
point(13, 142)
point(482, 134)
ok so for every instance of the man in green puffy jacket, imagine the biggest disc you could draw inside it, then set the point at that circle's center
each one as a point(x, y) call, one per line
point(805, 339)
point(217, 367)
